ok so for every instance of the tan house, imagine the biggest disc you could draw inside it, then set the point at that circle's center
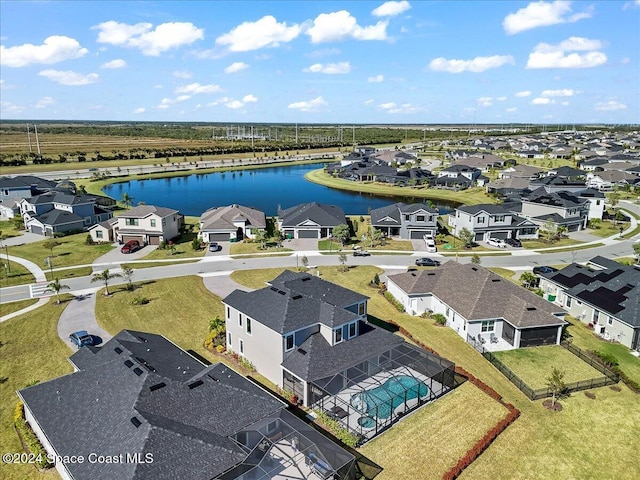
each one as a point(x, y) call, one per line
point(148, 224)
point(231, 222)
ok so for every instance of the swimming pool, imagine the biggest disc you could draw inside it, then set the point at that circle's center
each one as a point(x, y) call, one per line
point(388, 396)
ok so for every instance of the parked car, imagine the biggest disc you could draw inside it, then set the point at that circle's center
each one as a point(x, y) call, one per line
point(514, 242)
point(214, 247)
point(81, 338)
point(427, 262)
point(131, 246)
point(497, 242)
point(431, 246)
point(361, 253)
point(544, 269)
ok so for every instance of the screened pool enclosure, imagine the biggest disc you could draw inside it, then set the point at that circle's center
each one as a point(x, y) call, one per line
point(368, 397)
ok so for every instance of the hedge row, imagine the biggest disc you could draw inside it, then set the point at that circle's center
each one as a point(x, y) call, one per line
point(29, 439)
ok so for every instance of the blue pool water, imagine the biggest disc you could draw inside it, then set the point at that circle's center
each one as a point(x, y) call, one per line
point(388, 396)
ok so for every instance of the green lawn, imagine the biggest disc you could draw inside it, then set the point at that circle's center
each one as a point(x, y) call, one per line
point(435, 431)
point(542, 243)
point(8, 229)
point(506, 273)
point(7, 308)
point(607, 229)
point(534, 364)
point(18, 275)
point(31, 351)
point(256, 278)
point(68, 273)
point(72, 251)
point(179, 308)
point(240, 248)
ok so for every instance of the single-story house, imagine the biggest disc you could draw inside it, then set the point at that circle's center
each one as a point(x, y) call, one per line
point(412, 221)
point(310, 220)
point(142, 408)
point(480, 306)
point(232, 222)
point(104, 232)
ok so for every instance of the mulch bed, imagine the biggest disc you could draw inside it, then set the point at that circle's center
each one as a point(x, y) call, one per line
point(556, 408)
point(590, 395)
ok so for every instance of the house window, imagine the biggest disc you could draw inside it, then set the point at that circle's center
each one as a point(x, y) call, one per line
point(610, 321)
point(499, 218)
point(288, 343)
point(407, 217)
point(488, 325)
point(568, 303)
point(229, 339)
point(98, 233)
point(420, 218)
point(164, 222)
point(248, 325)
point(447, 312)
point(596, 315)
point(131, 222)
point(361, 309)
point(240, 320)
point(337, 335)
point(481, 219)
point(241, 347)
point(153, 222)
point(352, 330)
point(228, 312)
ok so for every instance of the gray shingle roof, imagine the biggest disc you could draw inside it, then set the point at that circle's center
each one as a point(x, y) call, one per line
point(223, 218)
point(395, 210)
point(477, 293)
point(323, 215)
point(489, 208)
point(184, 412)
point(58, 217)
point(142, 211)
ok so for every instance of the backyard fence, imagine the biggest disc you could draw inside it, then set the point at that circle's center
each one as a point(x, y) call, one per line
point(610, 377)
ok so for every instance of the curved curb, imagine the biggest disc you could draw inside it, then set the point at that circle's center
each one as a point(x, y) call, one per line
point(41, 302)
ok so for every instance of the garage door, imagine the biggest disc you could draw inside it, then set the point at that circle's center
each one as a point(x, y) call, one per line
point(418, 234)
point(154, 240)
point(479, 237)
point(501, 235)
point(218, 237)
point(37, 230)
point(126, 238)
point(538, 336)
point(307, 233)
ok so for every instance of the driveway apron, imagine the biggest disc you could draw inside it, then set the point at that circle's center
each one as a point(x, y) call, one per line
point(80, 314)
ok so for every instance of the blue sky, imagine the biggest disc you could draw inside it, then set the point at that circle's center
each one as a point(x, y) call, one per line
point(322, 62)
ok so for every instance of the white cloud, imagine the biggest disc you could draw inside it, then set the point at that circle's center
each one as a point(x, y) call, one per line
point(369, 102)
point(524, 93)
point(139, 110)
point(478, 64)
point(376, 79)
point(542, 14)
point(8, 108)
point(542, 101)
point(545, 55)
point(150, 42)
point(117, 63)
point(391, 9)
point(234, 104)
point(44, 102)
point(310, 105)
point(338, 26)
point(501, 99)
point(69, 78)
point(236, 67)
point(511, 109)
point(387, 106)
point(329, 68)
point(266, 32)
point(485, 101)
point(196, 88)
point(563, 92)
point(249, 98)
point(55, 49)
point(610, 106)
point(394, 108)
point(182, 74)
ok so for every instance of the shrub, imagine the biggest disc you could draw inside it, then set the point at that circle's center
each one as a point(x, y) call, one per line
point(220, 348)
point(440, 319)
point(376, 279)
point(393, 301)
point(29, 438)
point(246, 364)
point(139, 300)
point(341, 433)
point(88, 240)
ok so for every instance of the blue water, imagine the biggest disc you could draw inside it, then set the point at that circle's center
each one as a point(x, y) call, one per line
point(264, 189)
point(388, 396)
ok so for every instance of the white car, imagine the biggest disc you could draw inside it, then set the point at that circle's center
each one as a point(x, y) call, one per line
point(497, 242)
point(431, 246)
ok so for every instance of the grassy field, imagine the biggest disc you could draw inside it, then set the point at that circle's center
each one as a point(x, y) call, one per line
point(607, 229)
point(436, 432)
point(19, 275)
point(68, 273)
point(7, 308)
point(470, 196)
point(8, 229)
point(179, 309)
point(542, 243)
point(31, 351)
point(533, 365)
point(506, 273)
point(240, 248)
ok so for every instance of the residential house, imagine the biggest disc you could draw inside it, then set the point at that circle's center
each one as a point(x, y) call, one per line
point(310, 220)
point(311, 337)
point(412, 221)
point(520, 171)
point(455, 171)
point(562, 208)
point(491, 221)
point(232, 222)
point(484, 162)
point(23, 186)
point(140, 407)
point(480, 306)
point(594, 164)
point(607, 180)
point(104, 232)
point(148, 224)
point(596, 200)
point(555, 183)
point(603, 294)
point(10, 209)
point(566, 172)
point(508, 186)
point(57, 212)
point(397, 157)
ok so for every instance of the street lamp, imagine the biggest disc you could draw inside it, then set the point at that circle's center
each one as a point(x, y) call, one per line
point(6, 250)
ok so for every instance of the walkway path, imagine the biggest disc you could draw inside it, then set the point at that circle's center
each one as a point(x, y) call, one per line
point(80, 314)
point(39, 275)
point(220, 284)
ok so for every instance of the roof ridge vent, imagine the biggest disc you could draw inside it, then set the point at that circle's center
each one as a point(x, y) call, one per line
point(195, 384)
point(495, 279)
point(136, 422)
point(531, 309)
point(157, 386)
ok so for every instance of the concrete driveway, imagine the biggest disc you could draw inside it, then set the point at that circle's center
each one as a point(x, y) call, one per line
point(80, 314)
point(117, 257)
point(25, 237)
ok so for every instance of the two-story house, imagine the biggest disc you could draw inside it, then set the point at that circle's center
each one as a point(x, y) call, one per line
point(231, 222)
point(312, 339)
point(491, 221)
point(456, 171)
point(412, 221)
point(23, 186)
point(561, 208)
point(58, 212)
point(147, 224)
point(603, 294)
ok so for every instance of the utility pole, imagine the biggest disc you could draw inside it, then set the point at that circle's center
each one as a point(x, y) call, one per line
point(35, 127)
point(29, 135)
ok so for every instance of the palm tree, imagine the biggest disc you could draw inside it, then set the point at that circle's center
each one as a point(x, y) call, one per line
point(127, 272)
point(127, 200)
point(104, 277)
point(56, 286)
